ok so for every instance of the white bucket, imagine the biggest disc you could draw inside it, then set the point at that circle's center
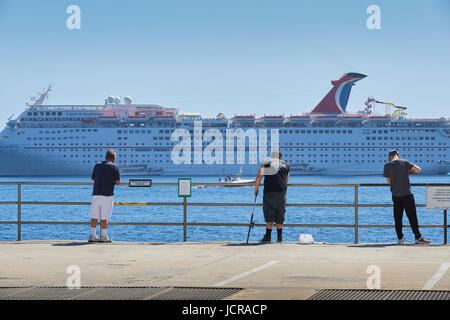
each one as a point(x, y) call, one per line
point(306, 239)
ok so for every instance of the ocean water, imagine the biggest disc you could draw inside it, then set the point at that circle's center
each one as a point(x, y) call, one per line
point(214, 214)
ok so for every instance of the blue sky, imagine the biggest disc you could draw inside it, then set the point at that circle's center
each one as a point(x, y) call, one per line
point(236, 57)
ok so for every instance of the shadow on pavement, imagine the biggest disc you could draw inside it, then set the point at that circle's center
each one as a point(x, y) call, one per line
point(245, 244)
point(70, 244)
point(384, 245)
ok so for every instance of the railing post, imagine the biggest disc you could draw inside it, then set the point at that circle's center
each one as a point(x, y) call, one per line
point(356, 214)
point(19, 211)
point(184, 219)
point(445, 226)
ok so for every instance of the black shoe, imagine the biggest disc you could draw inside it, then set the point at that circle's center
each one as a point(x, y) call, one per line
point(265, 239)
point(422, 240)
point(279, 240)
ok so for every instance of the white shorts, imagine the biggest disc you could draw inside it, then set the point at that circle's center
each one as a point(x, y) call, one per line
point(101, 207)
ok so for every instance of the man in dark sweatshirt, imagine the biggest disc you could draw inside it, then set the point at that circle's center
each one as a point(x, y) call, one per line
point(397, 173)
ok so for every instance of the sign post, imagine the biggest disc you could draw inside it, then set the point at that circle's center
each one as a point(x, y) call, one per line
point(184, 191)
point(139, 183)
point(438, 198)
point(184, 187)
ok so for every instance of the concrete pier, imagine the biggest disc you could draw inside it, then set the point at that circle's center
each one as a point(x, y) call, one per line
point(271, 271)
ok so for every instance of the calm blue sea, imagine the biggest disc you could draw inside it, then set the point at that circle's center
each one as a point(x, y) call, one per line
point(300, 215)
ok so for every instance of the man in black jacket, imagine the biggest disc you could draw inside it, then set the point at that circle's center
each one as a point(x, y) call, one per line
point(276, 178)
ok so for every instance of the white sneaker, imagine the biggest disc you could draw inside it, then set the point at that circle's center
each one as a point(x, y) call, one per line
point(93, 238)
point(422, 240)
point(401, 241)
point(105, 238)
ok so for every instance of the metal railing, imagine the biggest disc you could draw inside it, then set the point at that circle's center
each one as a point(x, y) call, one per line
point(185, 204)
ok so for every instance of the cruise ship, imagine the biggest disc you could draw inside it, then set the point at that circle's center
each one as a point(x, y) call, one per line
point(67, 140)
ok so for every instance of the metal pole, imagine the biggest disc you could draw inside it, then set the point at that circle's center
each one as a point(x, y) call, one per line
point(19, 213)
point(445, 226)
point(184, 220)
point(356, 214)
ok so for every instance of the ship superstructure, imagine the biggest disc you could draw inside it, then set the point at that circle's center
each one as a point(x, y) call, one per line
point(47, 140)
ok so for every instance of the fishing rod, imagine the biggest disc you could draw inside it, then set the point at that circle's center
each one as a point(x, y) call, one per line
point(252, 223)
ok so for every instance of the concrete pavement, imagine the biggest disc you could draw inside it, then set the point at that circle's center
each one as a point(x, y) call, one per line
point(272, 271)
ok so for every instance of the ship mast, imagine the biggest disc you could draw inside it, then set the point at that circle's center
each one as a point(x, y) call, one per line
point(39, 100)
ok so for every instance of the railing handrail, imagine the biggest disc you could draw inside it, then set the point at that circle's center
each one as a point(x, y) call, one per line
point(218, 184)
point(356, 205)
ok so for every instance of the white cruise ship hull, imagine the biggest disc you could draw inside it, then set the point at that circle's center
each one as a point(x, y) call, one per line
point(320, 155)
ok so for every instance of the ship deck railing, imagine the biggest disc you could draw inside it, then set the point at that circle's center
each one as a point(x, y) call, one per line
point(185, 204)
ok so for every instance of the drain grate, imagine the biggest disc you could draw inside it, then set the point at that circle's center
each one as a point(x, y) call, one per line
point(119, 293)
point(115, 293)
point(197, 294)
point(349, 294)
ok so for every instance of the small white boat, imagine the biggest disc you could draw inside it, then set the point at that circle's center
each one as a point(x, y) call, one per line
point(236, 181)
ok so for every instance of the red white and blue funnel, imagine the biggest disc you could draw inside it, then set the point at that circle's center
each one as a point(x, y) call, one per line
point(336, 99)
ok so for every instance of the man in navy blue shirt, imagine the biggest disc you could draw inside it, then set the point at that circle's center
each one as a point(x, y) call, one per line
point(105, 176)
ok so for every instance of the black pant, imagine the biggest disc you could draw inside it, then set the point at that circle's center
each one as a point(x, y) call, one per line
point(409, 205)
